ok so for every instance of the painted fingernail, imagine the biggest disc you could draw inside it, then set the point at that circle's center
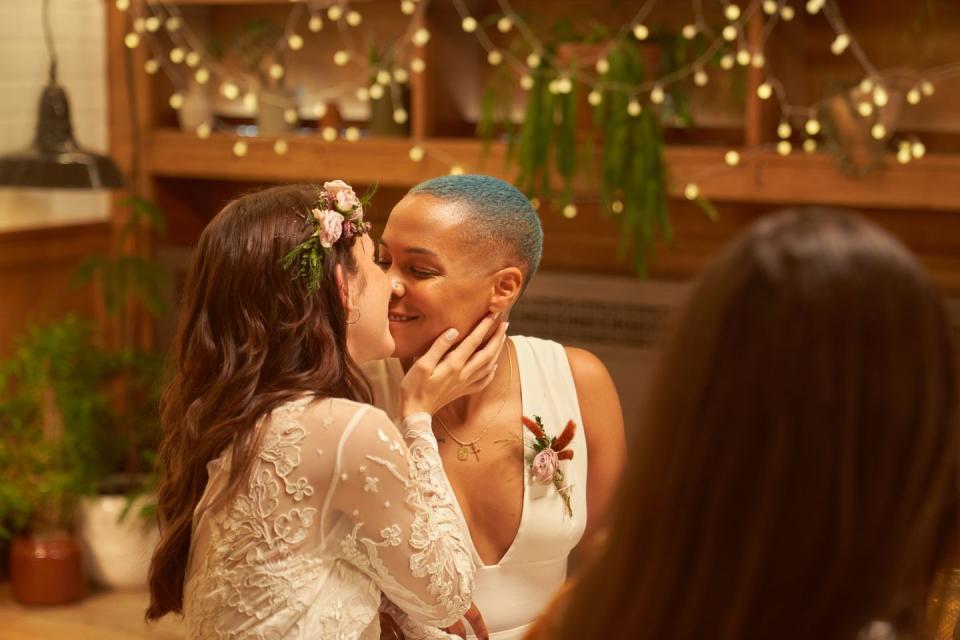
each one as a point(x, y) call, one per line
point(451, 334)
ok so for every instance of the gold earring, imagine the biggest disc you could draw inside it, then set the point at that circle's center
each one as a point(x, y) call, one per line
point(357, 309)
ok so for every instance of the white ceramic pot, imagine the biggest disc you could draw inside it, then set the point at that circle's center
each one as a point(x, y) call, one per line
point(116, 551)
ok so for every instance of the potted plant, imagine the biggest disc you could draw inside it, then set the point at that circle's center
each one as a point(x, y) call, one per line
point(51, 400)
point(116, 527)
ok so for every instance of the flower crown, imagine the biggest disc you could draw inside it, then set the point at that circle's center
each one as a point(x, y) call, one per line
point(338, 213)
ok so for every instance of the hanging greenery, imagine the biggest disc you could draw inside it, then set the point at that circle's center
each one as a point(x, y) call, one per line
point(555, 144)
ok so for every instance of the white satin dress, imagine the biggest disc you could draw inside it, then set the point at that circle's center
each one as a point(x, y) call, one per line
point(512, 593)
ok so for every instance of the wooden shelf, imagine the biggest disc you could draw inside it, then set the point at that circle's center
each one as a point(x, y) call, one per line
point(765, 178)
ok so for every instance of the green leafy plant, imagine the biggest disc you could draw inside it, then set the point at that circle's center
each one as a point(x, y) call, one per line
point(554, 147)
point(52, 403)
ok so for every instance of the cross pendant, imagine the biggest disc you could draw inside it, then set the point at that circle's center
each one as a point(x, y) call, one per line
point(476, 452)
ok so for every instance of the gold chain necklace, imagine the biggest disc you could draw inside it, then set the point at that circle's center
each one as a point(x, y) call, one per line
point(464, 449)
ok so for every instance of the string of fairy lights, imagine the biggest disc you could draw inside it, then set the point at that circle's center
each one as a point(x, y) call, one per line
point(187, 60)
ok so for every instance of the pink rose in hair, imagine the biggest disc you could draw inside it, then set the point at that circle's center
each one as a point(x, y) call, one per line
point(544, 466)
point(342, 194)
point(331, 227)
point(349, 229)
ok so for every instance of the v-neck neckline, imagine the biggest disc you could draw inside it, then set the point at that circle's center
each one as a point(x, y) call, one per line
point(523, 469)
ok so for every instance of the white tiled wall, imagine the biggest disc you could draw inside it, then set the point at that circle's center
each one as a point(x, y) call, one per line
point(79, 33)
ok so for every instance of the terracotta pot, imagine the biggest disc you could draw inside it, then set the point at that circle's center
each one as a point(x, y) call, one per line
point(47, 569)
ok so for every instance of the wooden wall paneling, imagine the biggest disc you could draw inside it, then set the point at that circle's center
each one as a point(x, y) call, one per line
point(36, 272)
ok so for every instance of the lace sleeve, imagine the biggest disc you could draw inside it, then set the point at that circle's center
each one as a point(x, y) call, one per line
point(404, 531)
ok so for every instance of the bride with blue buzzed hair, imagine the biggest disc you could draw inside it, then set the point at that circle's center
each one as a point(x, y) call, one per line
point(533, 458)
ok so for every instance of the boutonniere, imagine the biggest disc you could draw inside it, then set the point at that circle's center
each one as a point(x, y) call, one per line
point(547, 453)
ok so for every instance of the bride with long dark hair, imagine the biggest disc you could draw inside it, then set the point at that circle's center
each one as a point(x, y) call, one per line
point(287, 503)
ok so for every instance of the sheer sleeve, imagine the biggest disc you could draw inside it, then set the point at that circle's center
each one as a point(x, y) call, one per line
point(403, 529)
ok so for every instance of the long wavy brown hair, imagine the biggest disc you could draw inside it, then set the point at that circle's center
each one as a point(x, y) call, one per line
point(250, 338)
point(796, 474)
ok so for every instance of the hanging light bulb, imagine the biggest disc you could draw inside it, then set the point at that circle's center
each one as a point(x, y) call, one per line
point(689, 31)
point(468, 24)
point(758, 60)
point(383, 77)
point(727, 62)
point(809, 145)
point(494, 58)
point(176, 100)
point(731, 12)
point(691, 191)
point(913, 96)
point(363, 94)
point(880, 96)
point(634, 108)
point(400, 75)
point(570, 211)
point(354, 18)
point(315, 24)
point(250, 101)
point(295, 42)
point(421, 36)
point(417, 65)
point(151, 66)
point(400, 115)
point(416, 153)
point(865, 109)
point(535, 203)
point(122, 5)
point(743, 57)
point(533, 60)
point(456, 170)
point(172, 23)
point(280, 147)
point(139, 25)
point(526, 82)
point(700, 78)
point(595, 98)
point(784, 130)
point(152, 24)
point(641, 31)
point(203, 130)
point(926, 88)
point(202, 76)
point(131, 40)
point(764, 91)
point(335, 12)
point(504, 24)
point(729, 33)
point(917, 150)
point(192, 59)
point(276, 71)
point(657, 95)
point(177, 55)
point(230, 91)
point(603, 66)
point(351, 134)
point(814, 6)
point(329, 134)
point(840, 44)
point(879, 132)
point(341, 57)
point(812, 126)
point(376, 92)
point(319, 110)
point(616, 207)
point(866, 85)
point(770, 7)
point(240, 148)
point(290, 116)
point(787, 13)
point(784, 147)
point(732, 158)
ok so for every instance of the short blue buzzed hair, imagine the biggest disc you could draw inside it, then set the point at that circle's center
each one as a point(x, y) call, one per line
point(500, 219)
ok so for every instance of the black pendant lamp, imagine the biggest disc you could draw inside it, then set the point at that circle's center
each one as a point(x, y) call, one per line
point(55, 160)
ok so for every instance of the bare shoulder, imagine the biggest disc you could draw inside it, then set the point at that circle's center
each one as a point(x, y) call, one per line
point(596, 393)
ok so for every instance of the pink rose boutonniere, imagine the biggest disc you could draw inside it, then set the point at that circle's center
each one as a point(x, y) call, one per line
point(547, 453)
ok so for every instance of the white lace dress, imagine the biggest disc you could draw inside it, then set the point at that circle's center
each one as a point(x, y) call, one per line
point(337, 509)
